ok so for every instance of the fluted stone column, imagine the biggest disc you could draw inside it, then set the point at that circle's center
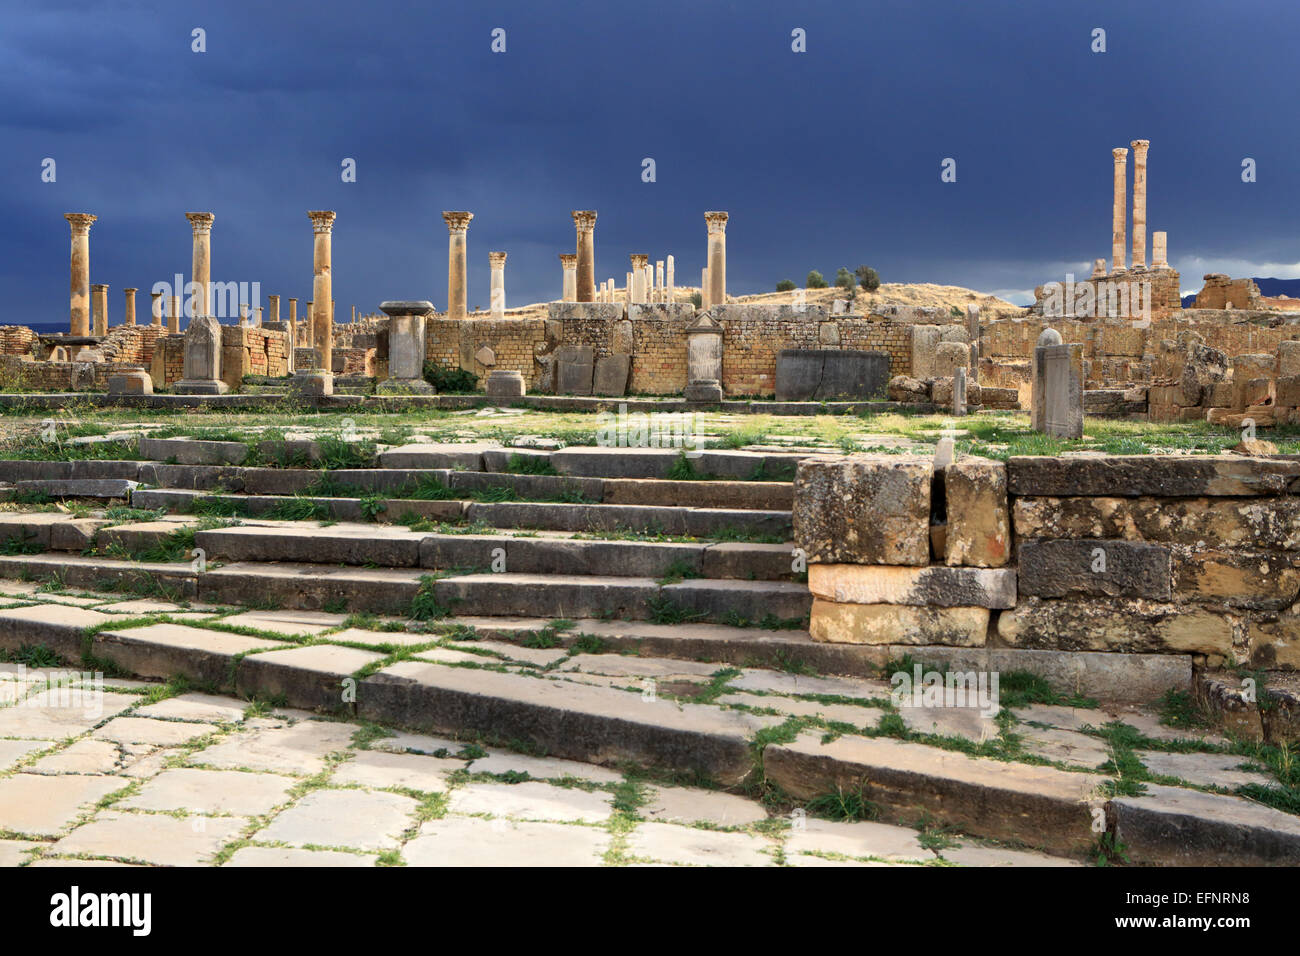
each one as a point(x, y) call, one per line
point(717, 223)
point(79, 291)
point(638, 276)
point(1159, 253)
point(174, 319)
point(497, 288)
point(99, 309)
point(584, 220)
point(322, 319)
point(128, 316)
point(569, 271)
point(201, 262)
point(457, 291)
point(668, 290)
point(1140, 202)
point(156, 309)
point(1117, 240)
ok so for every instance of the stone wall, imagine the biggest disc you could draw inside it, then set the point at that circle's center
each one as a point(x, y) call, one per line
point(19, 373)
point(1191, 556)
point(17, 340)
point(513, 344)
point(1219, 291)
point(250, 350)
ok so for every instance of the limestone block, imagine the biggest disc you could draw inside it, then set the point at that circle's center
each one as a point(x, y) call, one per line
point(611, 375)
point(804, 375)
point(898, 624)
point(1115, 568)
point(504, 383)
point(130, 382)
point(979, 524)
point(925, 340)
point(1288, 358)
point(933, 586)
point(904, 388)
point(1247, 579)
point(1288, 390)
point(864, 509)
point(574, 370)
point(948, 357)
point(1172, 476)
point(1114, 624)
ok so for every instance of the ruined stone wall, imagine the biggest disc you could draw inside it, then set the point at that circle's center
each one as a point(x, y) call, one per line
point(20, 374)
point(1219, 290)
point(168, 364)
point(513, 344)
point(1181, 559)
point(17, 340)
point(250, 350)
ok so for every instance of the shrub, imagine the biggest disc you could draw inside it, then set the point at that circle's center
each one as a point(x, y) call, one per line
point(450, 379)
point(785, 285)
point(844, 279)
point(697, 300)
point(867, 278)
point(815, 281)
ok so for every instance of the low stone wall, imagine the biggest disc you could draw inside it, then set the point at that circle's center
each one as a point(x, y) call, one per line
point(513, 344)
point(18, 373)
point(1196, 556)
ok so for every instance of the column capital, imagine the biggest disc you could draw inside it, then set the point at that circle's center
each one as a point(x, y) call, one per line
point(457, 221)
point(496, 258)
point(584, 219)
point(80, 222)
point(569, 260)
point(130, 291)
point(200, 222)
point(98, 286)
point(322, 220)
point(717, 221)
point(1140, 145)
point(639, 261)
point(1120, 154)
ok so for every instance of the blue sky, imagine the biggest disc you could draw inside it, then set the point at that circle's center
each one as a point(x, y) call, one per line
point(824, 159)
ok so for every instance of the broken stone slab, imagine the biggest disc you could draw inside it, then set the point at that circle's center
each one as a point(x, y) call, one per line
point(864, 509)
point(1172, 826)
point(574, 370)
point(1133, 476)
point(898, 624)
point(595, 724)
point(910, 781)
point(78, 487)
point(1114, 568)
point(934, 586)
point(979, 523)
point(1117, 624)
point(191, 451)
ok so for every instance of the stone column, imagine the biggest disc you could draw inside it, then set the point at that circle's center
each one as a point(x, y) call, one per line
point(311, 329)
point(406, 344)
point(1159, 253)
point(627, 291)
point(257, 316)
point(497, 287)
point(585, 275)
point(649, 282)
point(322, 318)
point(704, 288)
point(243, 314)
point(1140, 202)
point(717, 223)
point(79, 296)
point(128, 316)
point(1117, 239)
point(293, 323)
point(156, 308)
point(568, 268)
point(457, 292)
point(201, 263)
point(668, 290)
point(174, 319)
point(638, 276)
point(99, 309)
point(659, 281)
point(273, 308)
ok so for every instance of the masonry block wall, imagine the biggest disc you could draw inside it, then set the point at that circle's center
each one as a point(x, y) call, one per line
point(513, 344)
point(1178, 561)
point(250, 350)
point(17, 340)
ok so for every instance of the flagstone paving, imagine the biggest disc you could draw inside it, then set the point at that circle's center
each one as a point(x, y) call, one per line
point(138, 772)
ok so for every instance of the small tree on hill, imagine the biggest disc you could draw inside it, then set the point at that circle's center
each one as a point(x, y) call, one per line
point(785, 285)
point(815, 281)
point(867, 278)
point(844, 279)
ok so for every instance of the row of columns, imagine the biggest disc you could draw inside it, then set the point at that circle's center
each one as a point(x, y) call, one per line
point(1119, 228)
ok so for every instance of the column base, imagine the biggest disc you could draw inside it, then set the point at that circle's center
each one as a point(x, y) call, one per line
point(312, 383)
point(405, 386)
point(200, 386)
point(706, 391)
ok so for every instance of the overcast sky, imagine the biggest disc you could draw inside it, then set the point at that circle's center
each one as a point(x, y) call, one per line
point(826, 158)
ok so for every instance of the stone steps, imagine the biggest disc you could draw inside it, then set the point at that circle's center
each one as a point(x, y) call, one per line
point(541, 515)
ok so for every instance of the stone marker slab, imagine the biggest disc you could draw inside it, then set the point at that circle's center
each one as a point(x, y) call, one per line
point(820, 375)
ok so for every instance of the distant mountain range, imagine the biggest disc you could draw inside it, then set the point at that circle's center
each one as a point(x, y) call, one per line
point(1267, 287)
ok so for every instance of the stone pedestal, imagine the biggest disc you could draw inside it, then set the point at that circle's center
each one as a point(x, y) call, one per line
point(312, 383)
point(202, 367)
point(584, 220)
point(133, 381)
point(504, 383)
point(457, 291)
point(1057, 381)
point(703, 361)
point(79, 290)
point(406, 328)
